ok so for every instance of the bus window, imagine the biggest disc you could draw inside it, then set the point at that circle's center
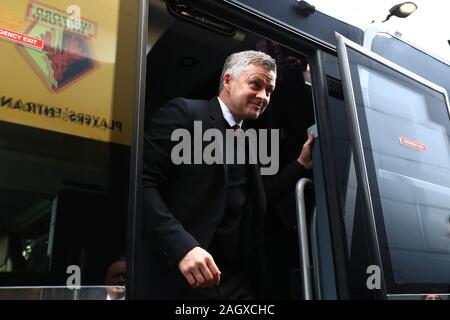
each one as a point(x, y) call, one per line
point(67, 100)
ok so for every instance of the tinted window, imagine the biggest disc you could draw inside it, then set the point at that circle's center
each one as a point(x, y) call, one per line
point(405, 129)
point(66, 110)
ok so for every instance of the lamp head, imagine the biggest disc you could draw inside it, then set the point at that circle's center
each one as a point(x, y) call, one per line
point(304, 7)
point(401, 10)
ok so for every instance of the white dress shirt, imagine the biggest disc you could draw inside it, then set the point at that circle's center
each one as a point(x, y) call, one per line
point(227, 114)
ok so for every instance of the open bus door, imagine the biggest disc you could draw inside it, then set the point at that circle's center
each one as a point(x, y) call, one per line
point(400, 161)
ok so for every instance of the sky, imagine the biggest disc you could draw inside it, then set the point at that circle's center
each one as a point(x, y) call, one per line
point(428, 27)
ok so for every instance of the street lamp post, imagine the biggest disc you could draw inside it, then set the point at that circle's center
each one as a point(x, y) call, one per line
point(401, 10)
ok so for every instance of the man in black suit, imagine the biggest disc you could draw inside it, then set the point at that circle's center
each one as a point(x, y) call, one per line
point(205, 221)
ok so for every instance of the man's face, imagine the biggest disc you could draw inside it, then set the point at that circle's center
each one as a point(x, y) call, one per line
point(432, 297)
point(249, 94)
point(116, 274)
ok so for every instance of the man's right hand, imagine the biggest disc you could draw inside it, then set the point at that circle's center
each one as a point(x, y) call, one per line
point(199, 268)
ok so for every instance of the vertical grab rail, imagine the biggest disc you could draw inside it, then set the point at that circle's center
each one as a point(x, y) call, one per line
point(302, 228)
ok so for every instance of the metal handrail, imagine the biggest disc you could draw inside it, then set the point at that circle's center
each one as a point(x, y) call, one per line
point(302, 229)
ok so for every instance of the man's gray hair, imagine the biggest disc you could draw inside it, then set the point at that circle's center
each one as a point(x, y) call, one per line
point(239, 61)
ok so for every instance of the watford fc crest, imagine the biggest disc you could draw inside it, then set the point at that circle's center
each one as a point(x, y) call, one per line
point(67, 55)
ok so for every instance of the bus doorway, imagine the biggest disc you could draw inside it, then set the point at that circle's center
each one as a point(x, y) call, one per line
point(186, 61)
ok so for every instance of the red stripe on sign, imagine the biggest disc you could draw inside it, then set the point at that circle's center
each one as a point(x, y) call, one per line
point(412, 144)
point(21, 38)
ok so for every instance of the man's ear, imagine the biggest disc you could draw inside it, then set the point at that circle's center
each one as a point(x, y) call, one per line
point(227, 81)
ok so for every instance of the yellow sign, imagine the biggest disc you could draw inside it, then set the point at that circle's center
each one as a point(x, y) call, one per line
point(70, 85)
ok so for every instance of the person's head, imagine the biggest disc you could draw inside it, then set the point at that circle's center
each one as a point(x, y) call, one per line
point(247, 81)
point(432, 296)
point(116, 278)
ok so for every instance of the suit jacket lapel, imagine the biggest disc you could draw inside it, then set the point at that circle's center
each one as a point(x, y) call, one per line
point(218, 122)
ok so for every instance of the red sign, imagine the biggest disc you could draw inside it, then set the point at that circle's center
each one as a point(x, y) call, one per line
point(412, 144)
point(21, 38)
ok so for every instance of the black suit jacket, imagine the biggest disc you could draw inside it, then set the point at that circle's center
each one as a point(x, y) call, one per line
point(182, 204)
